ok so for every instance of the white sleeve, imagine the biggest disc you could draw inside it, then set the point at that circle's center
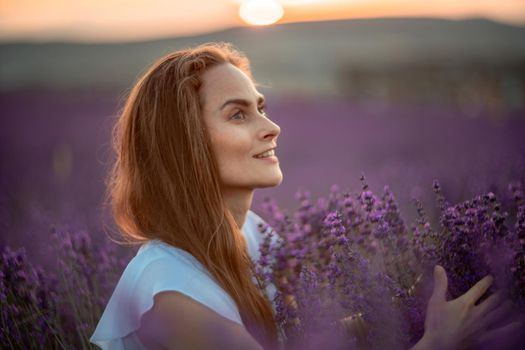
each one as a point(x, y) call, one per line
point(155, 269)
point(254, 237)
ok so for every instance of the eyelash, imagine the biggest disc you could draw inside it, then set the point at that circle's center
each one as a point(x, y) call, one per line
point(261, 109)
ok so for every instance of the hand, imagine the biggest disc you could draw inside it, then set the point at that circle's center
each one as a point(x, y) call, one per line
point(459, 323)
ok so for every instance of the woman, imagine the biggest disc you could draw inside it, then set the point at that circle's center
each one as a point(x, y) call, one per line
point(193, 142)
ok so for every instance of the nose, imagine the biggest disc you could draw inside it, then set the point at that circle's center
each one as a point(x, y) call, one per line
point(270, 131)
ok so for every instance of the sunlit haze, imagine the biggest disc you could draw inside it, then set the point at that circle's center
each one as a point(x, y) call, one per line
point(261, 12)
point(114, 20)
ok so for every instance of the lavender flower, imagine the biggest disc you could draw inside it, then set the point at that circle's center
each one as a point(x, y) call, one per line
point(348, 268)
point(344, 271)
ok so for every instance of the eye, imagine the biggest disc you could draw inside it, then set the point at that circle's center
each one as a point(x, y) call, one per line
point(238, 116)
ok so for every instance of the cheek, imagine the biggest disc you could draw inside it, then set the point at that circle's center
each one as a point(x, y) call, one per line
point(231, 148)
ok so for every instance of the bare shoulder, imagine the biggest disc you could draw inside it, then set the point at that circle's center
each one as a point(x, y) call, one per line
point(177, 321)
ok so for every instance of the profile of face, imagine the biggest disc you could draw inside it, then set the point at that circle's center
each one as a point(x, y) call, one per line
point(234, 115)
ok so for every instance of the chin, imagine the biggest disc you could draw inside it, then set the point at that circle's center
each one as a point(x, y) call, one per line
point(276, 181)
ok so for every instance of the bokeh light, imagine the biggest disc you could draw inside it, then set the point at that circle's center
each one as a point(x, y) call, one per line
point(260, 12)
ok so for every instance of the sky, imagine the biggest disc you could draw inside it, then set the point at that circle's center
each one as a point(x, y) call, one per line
point(135, 20)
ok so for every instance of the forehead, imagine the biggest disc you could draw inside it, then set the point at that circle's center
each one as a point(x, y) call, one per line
point(223, 82)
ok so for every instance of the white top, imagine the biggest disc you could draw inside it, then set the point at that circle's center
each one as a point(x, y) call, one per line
point(159, 267)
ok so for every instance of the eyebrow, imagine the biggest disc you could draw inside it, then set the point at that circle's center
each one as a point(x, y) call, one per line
point(242, 102)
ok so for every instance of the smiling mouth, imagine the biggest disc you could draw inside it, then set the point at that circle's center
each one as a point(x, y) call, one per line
point(266, 154)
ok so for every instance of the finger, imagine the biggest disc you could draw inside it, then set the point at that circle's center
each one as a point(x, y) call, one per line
point(490, 304)
point(501, 338)
point(440, 284)
point(474, 293)
point(496, 315)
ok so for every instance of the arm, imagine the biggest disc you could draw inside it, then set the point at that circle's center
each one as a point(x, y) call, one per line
point(176, 321)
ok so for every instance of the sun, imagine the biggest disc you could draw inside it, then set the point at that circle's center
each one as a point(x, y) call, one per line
point(261, 12)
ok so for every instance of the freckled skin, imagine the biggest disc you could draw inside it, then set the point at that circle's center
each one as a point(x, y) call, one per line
point(236, 140)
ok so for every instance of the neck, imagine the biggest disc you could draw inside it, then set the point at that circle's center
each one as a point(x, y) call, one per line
point(239, 201)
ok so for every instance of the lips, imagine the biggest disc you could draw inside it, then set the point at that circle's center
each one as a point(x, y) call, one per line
point(259, 154)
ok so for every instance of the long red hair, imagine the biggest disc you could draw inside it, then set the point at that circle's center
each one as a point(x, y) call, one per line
point(164, 183)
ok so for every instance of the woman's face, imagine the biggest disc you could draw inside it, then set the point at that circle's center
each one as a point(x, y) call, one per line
point(233, 111)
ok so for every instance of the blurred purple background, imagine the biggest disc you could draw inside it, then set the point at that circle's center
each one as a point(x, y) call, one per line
point(445, 100)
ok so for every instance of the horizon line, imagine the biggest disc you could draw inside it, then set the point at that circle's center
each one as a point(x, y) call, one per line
point(110, 40)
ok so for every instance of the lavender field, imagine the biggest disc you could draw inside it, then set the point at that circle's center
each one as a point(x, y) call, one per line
point(55, 151)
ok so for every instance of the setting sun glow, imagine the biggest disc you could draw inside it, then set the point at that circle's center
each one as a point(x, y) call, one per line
point(136, 20)
point(260, 12)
